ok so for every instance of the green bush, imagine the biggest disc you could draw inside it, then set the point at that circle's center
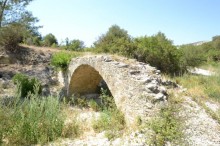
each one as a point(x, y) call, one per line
point(195, 55)
point(61, 60)
point(35, 40)
point(192, 55)
point(26, 85)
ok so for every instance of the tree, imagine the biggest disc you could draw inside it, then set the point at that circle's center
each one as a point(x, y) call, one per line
point(12, 11)
point(158, 51)
point(49, 40)
point(115, 40)
point(216, 42)
point(193, 55)
point(75, 45)
point(16, 23)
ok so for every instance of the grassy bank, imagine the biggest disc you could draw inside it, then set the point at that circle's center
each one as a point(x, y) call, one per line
point(202, 87)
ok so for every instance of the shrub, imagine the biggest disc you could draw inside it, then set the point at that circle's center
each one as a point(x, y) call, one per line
point(192, 55)
point(61, 60)
point(195, 55)
point(26, 85)
point(33, 40)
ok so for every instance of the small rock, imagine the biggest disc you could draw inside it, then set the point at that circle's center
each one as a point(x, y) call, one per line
point(157, 71)
point(146, 80)
point(107, 59)
point(159, 96)
point(115, 63)
point(134, 72)
point(163, 89)
point(122, 65)
point(169, 83)
point(153, 87)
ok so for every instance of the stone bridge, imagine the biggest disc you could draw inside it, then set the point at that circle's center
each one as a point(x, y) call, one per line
point(136, 87)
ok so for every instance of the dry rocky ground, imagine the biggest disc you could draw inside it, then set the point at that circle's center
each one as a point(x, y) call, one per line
point(199, 128)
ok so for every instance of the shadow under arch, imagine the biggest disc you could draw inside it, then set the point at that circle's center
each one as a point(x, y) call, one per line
point(86, 80)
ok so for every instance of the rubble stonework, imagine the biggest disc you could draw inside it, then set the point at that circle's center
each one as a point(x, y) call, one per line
point(136, 87)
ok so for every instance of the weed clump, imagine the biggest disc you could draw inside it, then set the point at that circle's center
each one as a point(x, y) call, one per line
point(27, 85)
point(112, 120)
point(167, 126)
point(61, 60)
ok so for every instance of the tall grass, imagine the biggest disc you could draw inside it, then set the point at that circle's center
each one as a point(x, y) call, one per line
point(202, 86)
point(31, 121)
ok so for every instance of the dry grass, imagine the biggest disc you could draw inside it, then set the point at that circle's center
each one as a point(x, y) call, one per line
point(203, 88)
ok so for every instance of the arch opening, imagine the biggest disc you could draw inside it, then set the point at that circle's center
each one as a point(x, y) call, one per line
point(87, 82)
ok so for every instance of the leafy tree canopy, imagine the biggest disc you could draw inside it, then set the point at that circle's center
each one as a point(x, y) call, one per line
point(49, 40)
point(74, 45)
point(216, 42)
point(159, 52)
point(16, 23)
point(115, 40)
point(13, 11)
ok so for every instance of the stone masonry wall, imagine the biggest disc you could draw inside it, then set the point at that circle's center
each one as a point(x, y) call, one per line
point(135, 86)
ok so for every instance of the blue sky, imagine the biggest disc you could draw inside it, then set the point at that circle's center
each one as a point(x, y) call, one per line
point(183, 21)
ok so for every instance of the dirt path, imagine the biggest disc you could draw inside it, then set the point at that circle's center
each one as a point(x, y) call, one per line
point(199, 127)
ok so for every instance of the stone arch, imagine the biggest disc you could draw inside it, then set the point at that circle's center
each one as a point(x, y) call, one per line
point(136, 87)
point(84, 80)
